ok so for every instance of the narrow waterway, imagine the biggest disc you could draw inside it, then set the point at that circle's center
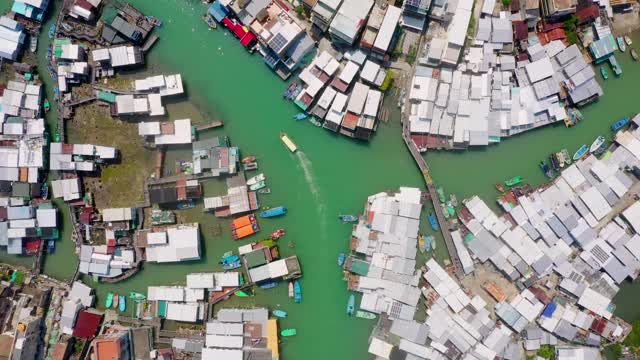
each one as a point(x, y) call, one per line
point(330, 174)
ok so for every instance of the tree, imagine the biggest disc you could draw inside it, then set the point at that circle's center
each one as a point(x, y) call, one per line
point(547, 352)
point(388, 79)
point(411, 55)
point(570, 27)
point(506, 3)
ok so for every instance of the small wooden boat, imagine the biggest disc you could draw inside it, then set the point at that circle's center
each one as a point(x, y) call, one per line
point(154, 21)
point(348, 218)
point(499, 187)
point(264, 191)
point(230, 262)
point(47, 105)
point(627, 40)
point(210, 22)
point(621, 45)
point(52, 31)
point(279, 313)
point(421, 245)
point(122, 306)
point(604, 72)
point(242, 293)
point(566, 156)
point(291, 291)
point(428, 240)
point(108, 302)
point(555, 164)
point(295, 92)
point(513, 181)
point(560, 159)
point(116, 299)
point(248, 159)
point(544, 166)
point(288, 332)
point(441, 194)
point(433, 220)
point(51, 245)
point(454, 200)
point(256, 179)
point(598, 145)
point(365, 315)
point(268, 285)
point(301, 116)
point(341, 259)
point(33, 46)
point(288, 143)
point(620, 124)
point(297, 292)
point(351, 304)
point(136, 296)
point(278, 234)
point(276, 211)
point(634, 54)
point(580, 153)
point(257, 186)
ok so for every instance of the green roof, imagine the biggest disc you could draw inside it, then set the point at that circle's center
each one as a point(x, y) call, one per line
point(359, 267)
point(162, 308)
point(107, 96)
point(255, 258)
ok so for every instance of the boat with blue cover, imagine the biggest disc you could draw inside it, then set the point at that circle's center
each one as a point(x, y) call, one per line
point(289, 90)
point(51, 246)
point(620, 124)
point(52, 31)
point(351, 304)
point(580, 153)
point(544, 166)
point(348, 218)
point(434, 222)
point(301, 116)
point(341, 259)
point(621, 45)
point(598, 145)
point(279, 313)
point(297, 292)
point(136, 296)
point(122, 305)
point(273, 212)
point(230, 262)
point(268, 285)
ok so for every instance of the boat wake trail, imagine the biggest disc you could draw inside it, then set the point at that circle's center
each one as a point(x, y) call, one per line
point(307, 169)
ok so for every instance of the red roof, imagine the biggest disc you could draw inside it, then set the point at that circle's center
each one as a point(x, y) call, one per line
point(520, 30)
point(248, 39)
point(239, 30)
point(555, 34)
point(32, 246)
point(85, 215)
point(588, 14)
point(550, 26)
point(87, 324)
point(598, 325)
point(228, 22)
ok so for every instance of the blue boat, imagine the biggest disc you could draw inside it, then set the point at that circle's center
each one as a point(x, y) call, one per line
point(295, 92)
point(297, 292)
point(268, 285)
point(301, 116)
point(230, 262)
point(581, 152)
point(620, 124)
point(341, 259)
point(348, 218)
point(273, 212)
point(279, 313)
point(51, 246)
point(351, 304)
point(52, 31)
point(122, 304)
point(289, 90)
point(434, 222)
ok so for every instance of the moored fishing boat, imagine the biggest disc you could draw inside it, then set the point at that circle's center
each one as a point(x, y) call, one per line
point(256, 179)
point(279, 313)
point(289, 90)
point(351, 304)
point(47, 105)
point(257, 186)
point(242, 293)
point(620, 124)
point(428, 241)
point(52, 31)
point(566, 156)
point(604, 72)
point(185, 205)
point(365, 315)
point(598, 145)
point(136, 296)
point(348, 218)
point(421, 245)
point(544, 166)
point(210, 21)
point(580, 153)
point(264, 191)
point(275, 235)
point(433, 220)
point(341, 259)
point(627, 40)
point(291, 291)
point(454, 200)
point(250, 166)
point(295, 92)
point(513, 181)
point(560, 158)
point(268, 285)
point(276, 211)
point(500, 187)
point(288, 142)
point(553, 161)
point(51, 246)
point(248, 159)
point(441, 194)
point(297, 292)
point(108, 302)
point(154, 21)
point(122, 306)
point(230, 262)
point(621, 45)
point(33, 46)
point(634, 54)
point(116, 299)
point(288, 332)
point(301, 116)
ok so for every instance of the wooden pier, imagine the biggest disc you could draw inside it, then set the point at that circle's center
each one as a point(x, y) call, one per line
point(211, 125)
point(148, 44)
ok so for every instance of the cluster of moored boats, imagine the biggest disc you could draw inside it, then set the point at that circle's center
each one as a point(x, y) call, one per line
point(119, 302)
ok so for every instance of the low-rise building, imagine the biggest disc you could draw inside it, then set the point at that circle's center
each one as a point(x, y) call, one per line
point(173, 244)
point(323, 13)
point(31, 9)
point(12, 38)
point(349, 21)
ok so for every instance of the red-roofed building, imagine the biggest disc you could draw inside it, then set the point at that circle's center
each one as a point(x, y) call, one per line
point(87, 324)
point(114, 346)
point(598, 325)
point(549, 36)
point(550, 26)
point(520, 30)
point(588, 14)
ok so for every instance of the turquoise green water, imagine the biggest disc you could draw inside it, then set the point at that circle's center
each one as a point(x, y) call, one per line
point(330, 174)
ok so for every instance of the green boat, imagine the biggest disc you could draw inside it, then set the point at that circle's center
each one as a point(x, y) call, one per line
point(604, 72)
point(136, 296)
point(513, 181)
point(241, 293)
point(365, 315)
point(441, 194)
point(288, 332)
point(109, 301)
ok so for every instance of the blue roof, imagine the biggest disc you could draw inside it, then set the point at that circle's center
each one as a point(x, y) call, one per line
point(548, 311)
point(29, 11)
point(218, 11)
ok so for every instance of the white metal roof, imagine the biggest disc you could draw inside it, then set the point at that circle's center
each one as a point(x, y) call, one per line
point(388, 27)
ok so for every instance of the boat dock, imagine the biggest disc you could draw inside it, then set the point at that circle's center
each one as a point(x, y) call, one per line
point(148, 44)
point(211, 125)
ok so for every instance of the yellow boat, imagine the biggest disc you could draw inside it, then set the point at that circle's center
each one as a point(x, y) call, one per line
point(290, 144)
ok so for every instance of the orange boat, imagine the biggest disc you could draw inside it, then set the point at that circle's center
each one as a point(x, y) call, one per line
point(116, 299)
point(244, 226)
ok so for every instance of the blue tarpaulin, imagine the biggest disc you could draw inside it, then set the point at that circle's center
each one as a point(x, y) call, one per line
point(217, 11)
point(548, 311)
